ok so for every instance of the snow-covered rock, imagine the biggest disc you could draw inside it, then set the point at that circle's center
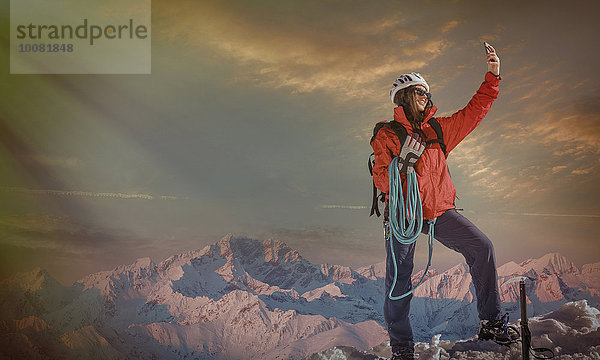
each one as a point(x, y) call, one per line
point(571, 332)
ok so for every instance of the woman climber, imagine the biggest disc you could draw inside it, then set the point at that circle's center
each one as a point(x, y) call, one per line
point(424, 151)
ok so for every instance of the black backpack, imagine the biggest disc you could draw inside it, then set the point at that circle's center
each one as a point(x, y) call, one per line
point(401, 133)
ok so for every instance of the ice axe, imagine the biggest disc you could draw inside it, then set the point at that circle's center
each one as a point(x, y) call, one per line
point(525, 333)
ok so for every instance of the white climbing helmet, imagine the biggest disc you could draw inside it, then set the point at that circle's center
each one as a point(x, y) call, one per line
point(405, 81)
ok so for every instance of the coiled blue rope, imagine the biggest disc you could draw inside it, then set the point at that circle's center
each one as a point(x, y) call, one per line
point(406, 220)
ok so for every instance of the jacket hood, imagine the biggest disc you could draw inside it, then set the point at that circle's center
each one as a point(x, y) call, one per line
point(400, 117)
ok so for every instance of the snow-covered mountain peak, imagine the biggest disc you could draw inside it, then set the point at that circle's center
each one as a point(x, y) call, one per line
point(33, 280)
point(144, 262)
point(250, 250)
point(225, 246)
point(142, 265)
point(590, 268)
point(124, 279)
point(459, 269)
point(555, 263)
point(552, 263)
point(276, 250)
point(343, 274)
point(31, 293)
point(454, 283)
point(373, 272)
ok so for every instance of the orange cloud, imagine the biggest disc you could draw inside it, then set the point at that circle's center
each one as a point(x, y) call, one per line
point(450, 25)
point(305, 55)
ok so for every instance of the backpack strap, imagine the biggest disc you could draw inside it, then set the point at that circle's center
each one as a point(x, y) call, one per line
point(374, 204)
point(435, 125)
point(401, 133)
point(398, 129)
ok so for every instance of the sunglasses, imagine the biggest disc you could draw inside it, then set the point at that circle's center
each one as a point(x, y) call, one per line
point(422, 92)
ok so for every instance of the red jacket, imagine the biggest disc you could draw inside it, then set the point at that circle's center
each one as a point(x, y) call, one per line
point(435, 186)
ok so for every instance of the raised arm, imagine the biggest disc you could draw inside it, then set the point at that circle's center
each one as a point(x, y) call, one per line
point(460, 124)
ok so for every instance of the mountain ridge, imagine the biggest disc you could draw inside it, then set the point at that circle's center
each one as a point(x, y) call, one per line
point(245, 289)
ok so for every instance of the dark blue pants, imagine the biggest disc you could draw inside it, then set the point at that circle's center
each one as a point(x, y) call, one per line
point(457, 233)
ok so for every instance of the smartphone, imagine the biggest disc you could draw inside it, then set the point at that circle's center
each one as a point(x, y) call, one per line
point(488, 50)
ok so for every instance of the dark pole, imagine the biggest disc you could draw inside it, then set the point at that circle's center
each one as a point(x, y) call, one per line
point(525, 334)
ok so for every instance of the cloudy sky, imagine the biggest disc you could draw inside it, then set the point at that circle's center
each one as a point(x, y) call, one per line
point(256, 121)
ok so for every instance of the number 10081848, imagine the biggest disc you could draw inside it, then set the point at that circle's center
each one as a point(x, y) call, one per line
point(48, 48)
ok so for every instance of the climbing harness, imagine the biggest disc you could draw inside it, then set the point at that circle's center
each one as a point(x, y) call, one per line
point(406, 220)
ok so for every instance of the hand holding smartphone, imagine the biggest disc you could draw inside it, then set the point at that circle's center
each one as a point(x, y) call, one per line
point(493, 61)
point(488, 49)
